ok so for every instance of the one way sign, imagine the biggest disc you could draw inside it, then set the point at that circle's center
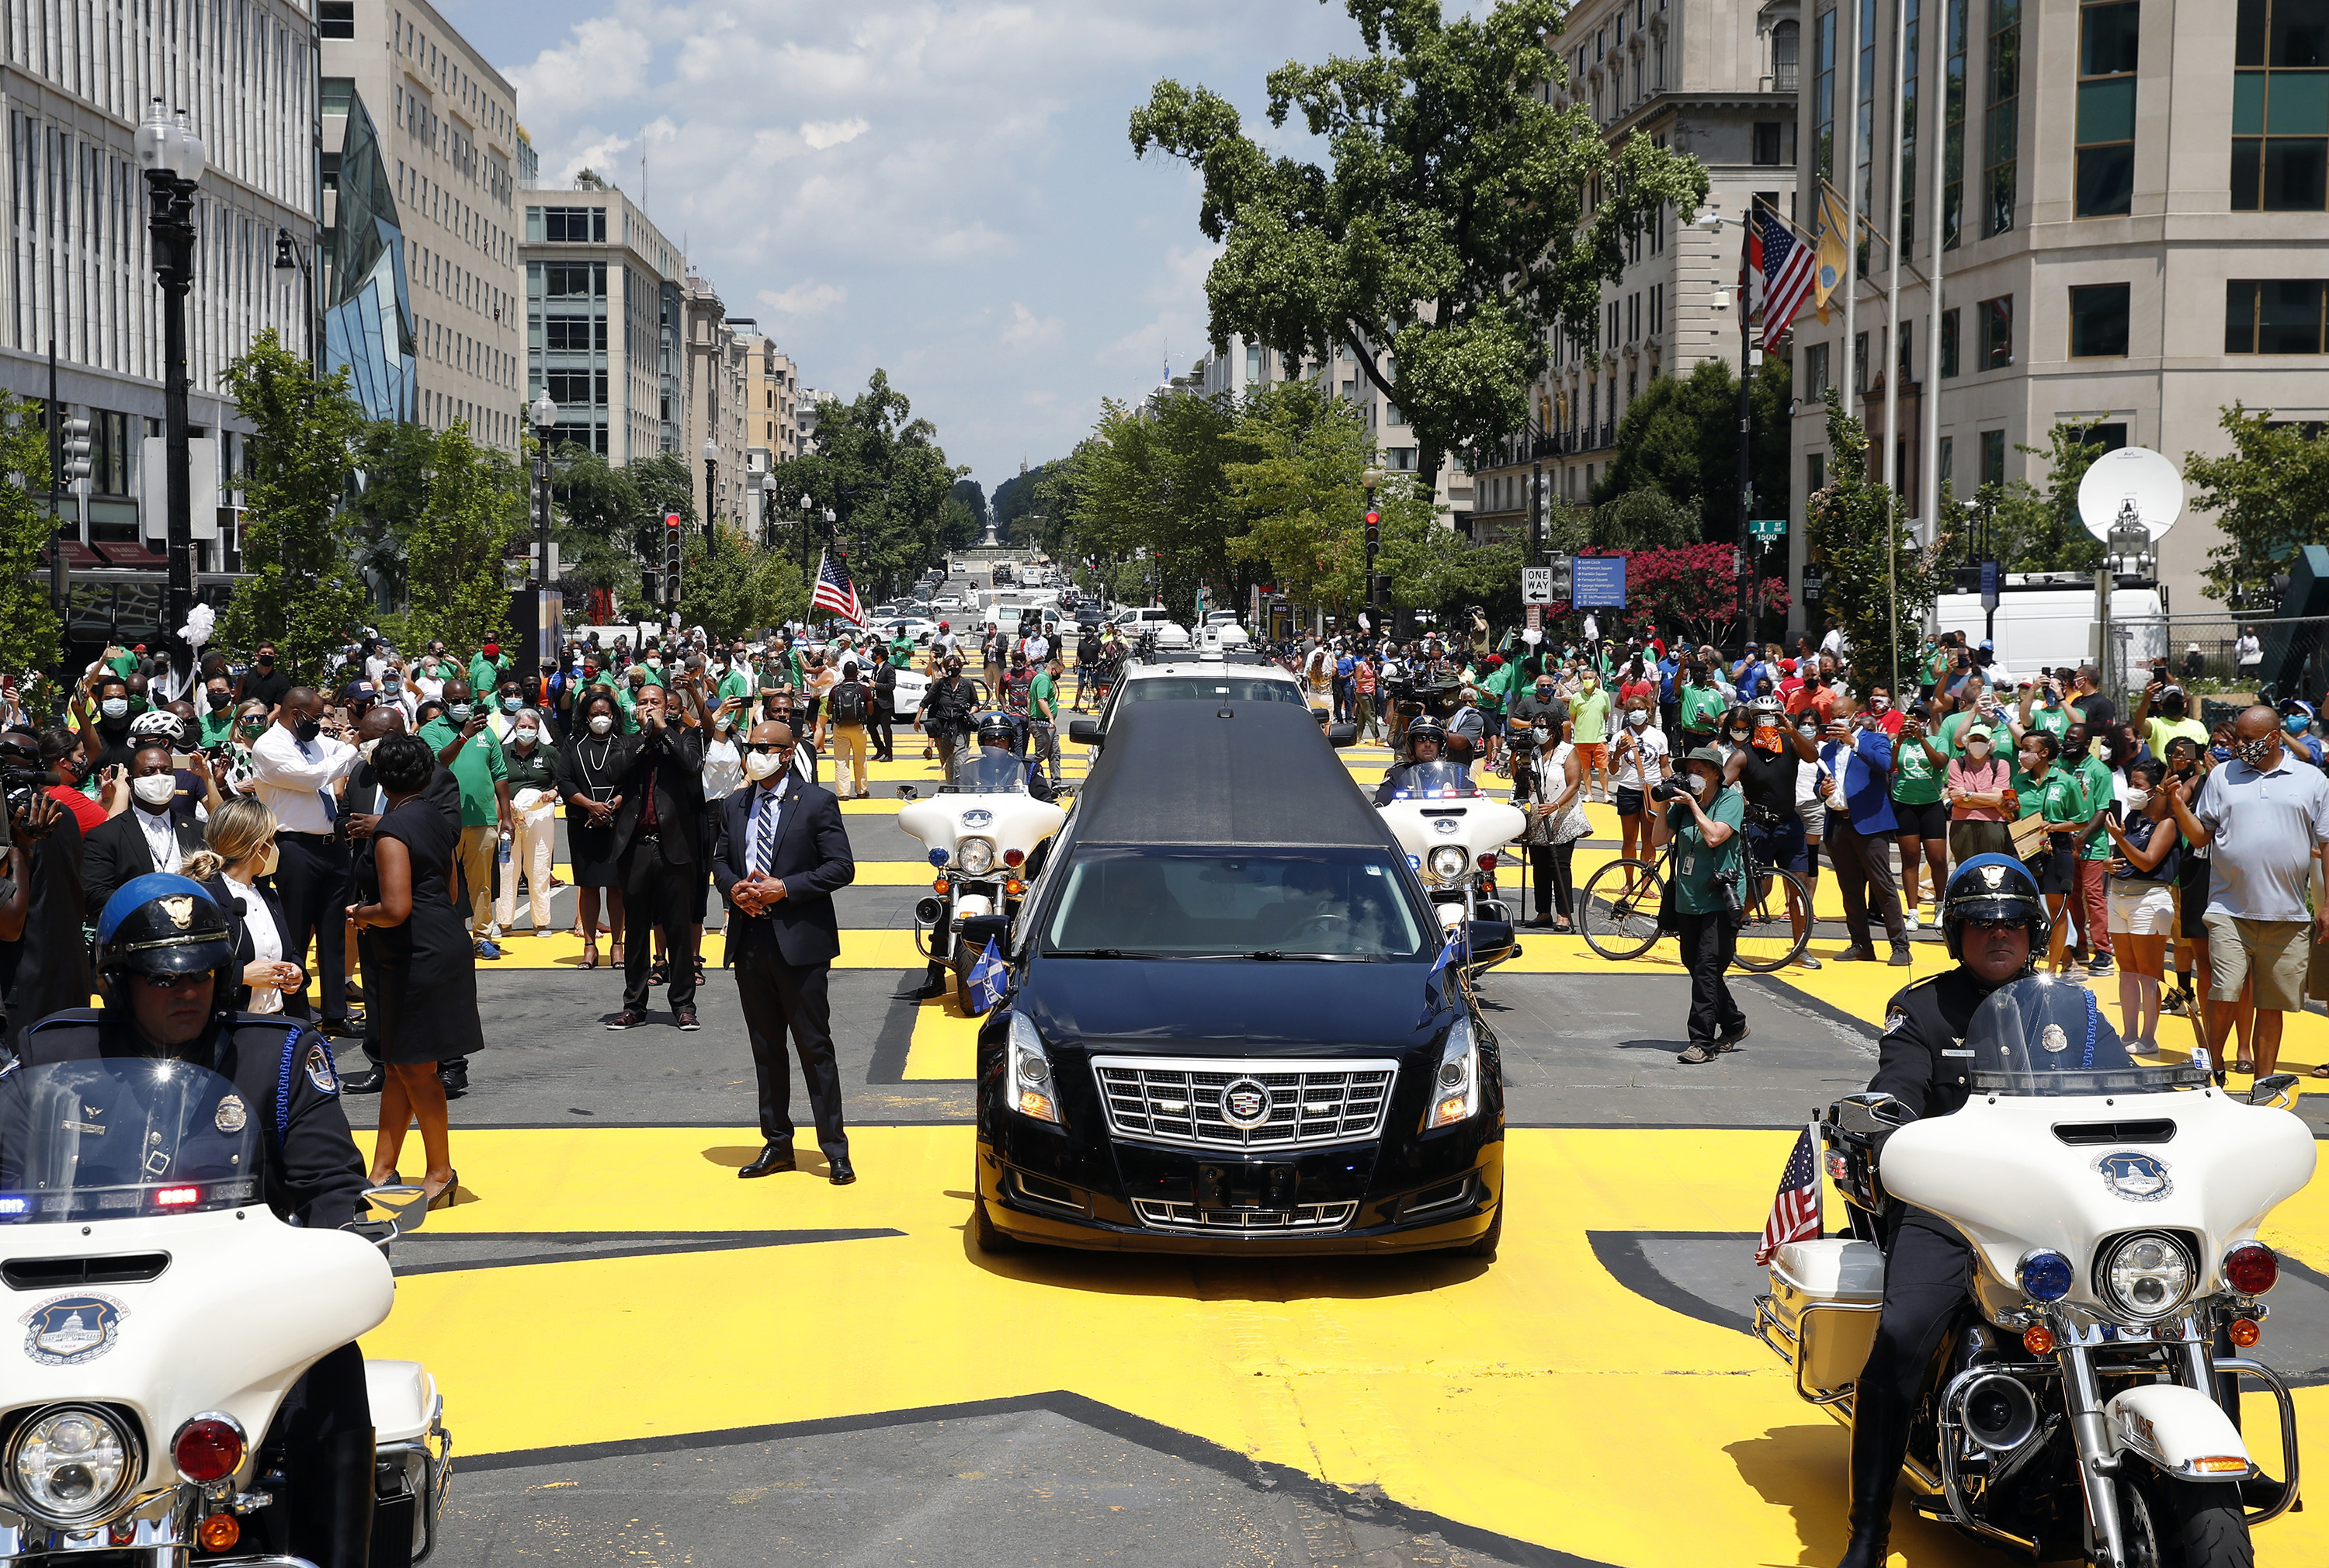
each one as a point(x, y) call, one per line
point(1536, 585)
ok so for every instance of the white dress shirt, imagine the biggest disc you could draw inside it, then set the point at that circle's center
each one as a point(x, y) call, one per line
point(266, 941)
point(288, 774)
point(161, 836)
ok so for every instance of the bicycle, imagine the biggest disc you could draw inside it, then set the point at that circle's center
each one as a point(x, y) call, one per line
point(1617, 913)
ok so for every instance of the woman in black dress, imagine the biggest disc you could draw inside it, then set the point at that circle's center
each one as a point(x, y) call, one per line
point(420, 968)
point(590, 768)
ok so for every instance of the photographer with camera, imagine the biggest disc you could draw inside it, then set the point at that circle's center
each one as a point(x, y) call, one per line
point(44, 959)
point(1706, 817)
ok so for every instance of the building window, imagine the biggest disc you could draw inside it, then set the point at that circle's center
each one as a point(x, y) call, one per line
point(1786, 40)
point(2098, 321)
point(1824, 94)
point(335, 19)
point(1949, 343)
point(1948, 458)
point(2109, 438)
point(1253, 362)
point(1999, 129)
point(1997, 333)
point(2274, 316)
point(1775, 143)
point(1859, 363)
point(1815, 473)
point(2280, 106)
point(1863, 147)
point(1815, 377)
point(1907, 120)
point(1953, 116)
point(2106, 129)
point(573, 225)
point(1992, 456)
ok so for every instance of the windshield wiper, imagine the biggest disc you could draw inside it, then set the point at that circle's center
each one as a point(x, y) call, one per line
point(1099, 952)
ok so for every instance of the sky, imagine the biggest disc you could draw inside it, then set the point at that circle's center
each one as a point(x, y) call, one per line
point(945, 190)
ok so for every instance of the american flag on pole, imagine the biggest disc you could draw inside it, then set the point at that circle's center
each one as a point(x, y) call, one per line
point(1795, 1212)
point(834, 591)
point(1787, 269)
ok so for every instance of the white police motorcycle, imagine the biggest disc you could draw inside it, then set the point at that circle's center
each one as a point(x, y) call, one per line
point(164, 1314)
point(1453, 835)
point(2080, 1407)
point(984, 832)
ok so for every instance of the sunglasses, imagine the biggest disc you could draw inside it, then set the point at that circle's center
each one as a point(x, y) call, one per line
point(766, 748)
point(2000, 925)
point(175, 981)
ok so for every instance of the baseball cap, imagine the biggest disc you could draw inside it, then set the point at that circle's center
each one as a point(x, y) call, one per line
point(1705, 753)
point(358, 691)
point(1977, 732)
point(139, 649)
point(493, 649)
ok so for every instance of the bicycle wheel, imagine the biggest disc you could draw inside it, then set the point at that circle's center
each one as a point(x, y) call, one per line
point(1618, 914)
point(1767, 937)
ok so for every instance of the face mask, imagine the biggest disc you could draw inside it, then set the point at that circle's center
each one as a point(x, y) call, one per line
point(256, 724)
point(309, 728)
point(761, 764)
point(2172, 708)
point(269, 860)
point(2254, 752)
point(1976, 748)
point(2221, 753)
point(525, 737)
point(1879, 704)
point(654, 663)
point(1698, 783)
point(1808, 731)
point(154, 789)
point(458, 712)
point(114, 707)
point(600, 723)
point(367, 747)
point(512, 704)
point(1636, 719)
point(2137, 799)
point(2075, 749)
point(2032, 765)
point(1591, 684)
point(2295, 723)
point(219, 700)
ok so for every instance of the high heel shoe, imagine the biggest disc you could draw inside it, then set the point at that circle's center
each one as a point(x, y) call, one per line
point(444, 1195)
point(590, 957)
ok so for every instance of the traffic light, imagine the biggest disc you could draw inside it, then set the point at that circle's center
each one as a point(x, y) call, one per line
point(1563, 586)
point(77, 465)
point(1374, 529)
point(671, 558)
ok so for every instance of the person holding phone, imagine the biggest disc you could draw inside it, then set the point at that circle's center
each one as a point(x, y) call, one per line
point(459, 737)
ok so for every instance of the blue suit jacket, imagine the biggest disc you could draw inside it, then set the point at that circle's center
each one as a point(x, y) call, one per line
point(813, 857)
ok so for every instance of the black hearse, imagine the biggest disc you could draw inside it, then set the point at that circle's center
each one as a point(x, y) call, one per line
point(1226, 1030)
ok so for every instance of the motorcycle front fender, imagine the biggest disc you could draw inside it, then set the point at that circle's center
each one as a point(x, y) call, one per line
point(2179, 1432)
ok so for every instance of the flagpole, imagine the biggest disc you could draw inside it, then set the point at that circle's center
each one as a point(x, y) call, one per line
point(1849, 169)
point(1938, 163)
point(1892, 335)
point(1746, 420)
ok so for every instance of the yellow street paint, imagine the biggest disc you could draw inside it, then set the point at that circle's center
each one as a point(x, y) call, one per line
point(1534, 1396)
point(945, 1044)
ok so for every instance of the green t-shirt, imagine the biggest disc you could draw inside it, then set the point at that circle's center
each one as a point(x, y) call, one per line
point(2098, 788)
point(2055, 721)
point(1043, 703)
point(1916, 782)
point(476, 767)
point(217, 727)
point(1589, 713)
point(2061, 799)
point(1695, 865)
point(1945, 737)
point(737, 683)
point(1701, 706)
point(901, 653)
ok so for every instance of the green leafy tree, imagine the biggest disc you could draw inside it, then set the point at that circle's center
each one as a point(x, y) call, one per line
point(473, 512)
point(28, 621)
point(1451, 232)
point(742, 586)
point(883, 472)
point(2269, 493)
point(973, 497)
point(1150, 482)
point(1644, 520)
point(391, 459)
point(598, 522)
point(2029, 527)
point(1681, 438)
point(1879, 598)
point(302, 589)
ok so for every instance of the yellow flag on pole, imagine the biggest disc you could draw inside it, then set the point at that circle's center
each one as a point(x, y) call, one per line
point(1828, 276)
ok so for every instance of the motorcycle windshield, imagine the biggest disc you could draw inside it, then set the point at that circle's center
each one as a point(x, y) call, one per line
point(121, 1137)
point(989, 772)
point(2040, 1036)
point(1436, 781)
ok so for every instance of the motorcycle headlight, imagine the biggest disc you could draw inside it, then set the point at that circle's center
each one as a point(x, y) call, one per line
point(2145, 1275)
point(1027, 1072)
point(71, 1465)
point(1447, 862)
point(1456, 1082)
point(974, 855)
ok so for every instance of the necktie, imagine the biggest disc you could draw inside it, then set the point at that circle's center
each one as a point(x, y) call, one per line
point(649, 819)
point(764, 846)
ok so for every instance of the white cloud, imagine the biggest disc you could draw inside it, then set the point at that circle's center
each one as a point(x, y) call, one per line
point(823, 133)
point(803, 299)
point(1028, 329)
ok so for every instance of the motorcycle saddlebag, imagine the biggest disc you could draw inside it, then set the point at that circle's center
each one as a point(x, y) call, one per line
point(1825, 1294)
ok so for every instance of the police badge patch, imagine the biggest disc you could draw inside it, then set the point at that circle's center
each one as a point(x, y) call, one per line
point(180, 910)
point(2052, 1038)
point(233, 1115)
point(67, 1331)
point(319, 1070)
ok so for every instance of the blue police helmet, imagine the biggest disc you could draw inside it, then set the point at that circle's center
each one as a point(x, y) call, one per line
point(1993, 887)
point(161, 923)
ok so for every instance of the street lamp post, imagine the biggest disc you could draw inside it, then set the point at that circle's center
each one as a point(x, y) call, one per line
point(544, 416)
point(711, 489)
point(172, 157)
point(808, 522)
point(290, 256)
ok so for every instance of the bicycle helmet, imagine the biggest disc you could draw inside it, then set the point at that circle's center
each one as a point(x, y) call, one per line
point(1770, 706)
point(160, 724)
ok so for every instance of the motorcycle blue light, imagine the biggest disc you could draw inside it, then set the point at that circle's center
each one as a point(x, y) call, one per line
point(938, 857)
point(14, 1205)
point(2045, 1276)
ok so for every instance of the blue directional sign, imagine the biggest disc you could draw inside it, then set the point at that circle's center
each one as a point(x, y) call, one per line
point(1598, 582)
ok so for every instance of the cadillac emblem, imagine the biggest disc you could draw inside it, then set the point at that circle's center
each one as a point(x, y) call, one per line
point(2137, 1178)
point(1245, 1104)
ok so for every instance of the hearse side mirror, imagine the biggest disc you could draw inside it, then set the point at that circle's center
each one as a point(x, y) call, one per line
point(1339, 736)
point(1086, 731)
point(1490, 939)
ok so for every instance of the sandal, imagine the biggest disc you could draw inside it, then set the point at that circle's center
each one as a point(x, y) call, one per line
point(699, 971)
point(659, 973)
point(2321, 1071)
point(2245, 1067)
point(590, 957)
point(615, 954)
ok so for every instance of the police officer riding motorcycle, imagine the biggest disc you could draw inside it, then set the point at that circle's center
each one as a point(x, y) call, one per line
point(168, 975)
point(1427, 744)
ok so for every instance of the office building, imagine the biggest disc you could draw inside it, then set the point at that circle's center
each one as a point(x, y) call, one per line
point(442, 124)
point(2131, 239)
point(603, 323)
point(772, 396)
point(712, 398)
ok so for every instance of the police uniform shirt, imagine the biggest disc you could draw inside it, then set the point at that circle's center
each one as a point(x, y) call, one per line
point(1921, 1058)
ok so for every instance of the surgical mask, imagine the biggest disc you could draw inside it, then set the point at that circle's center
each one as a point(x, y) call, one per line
point(760, 765)
point(1698, 783)
point(525, 737)
point(219, 700)
point(459, 712)
point(1879, 704)
point(154, 789)
point(1976, 748)
point(1808, 731)
point(512, 704)
point(2294, 723)
point(2136, 799)
point(366, 748)
point(269, 860)
point(601, 722)
point(654, 663)
point(1635, 718)
point(114, 707)
point(309, 728)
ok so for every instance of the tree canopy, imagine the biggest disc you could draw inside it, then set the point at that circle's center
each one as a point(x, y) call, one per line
point(1863, 547)
point(886, 479)
point(1460, 220)
point(2269, 494)
point(1681, 439)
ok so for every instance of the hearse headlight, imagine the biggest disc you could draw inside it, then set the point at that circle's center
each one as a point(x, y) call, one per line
point(974, 855)
point(1456, 1082)
point(1448, 862)
point(1027, 1072)
point(2145, 1275)
point(71, 1465)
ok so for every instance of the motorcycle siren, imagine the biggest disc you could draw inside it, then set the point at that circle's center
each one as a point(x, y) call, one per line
point(1993, 887)
point(162, 925)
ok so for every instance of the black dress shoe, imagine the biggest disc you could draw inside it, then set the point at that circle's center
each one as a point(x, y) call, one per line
point(686, 1017)
point(844, 1173)
point(772, 1158)
point(367, 1081)
point(455, 1075)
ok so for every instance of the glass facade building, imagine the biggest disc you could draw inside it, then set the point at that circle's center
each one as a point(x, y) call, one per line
point(367, 291)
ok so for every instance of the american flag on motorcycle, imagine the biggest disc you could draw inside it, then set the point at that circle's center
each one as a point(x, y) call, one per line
point(834, 591)
point(1795, 1214)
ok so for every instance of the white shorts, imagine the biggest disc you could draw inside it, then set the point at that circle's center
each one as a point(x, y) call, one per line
point(2142, 908)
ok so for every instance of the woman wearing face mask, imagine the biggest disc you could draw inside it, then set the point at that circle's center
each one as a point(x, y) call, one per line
point(531, 759)
point(1639, 757)
point(250, 722)
point(237, 867)
point(1922, 819)
point(589, 772)
point(2062, 804)
point(1979, 788)
point(2143, 870)
point(1707, 824)
point(1547, 784)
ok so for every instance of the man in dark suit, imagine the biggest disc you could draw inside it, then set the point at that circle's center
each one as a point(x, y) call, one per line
point(156, 833)
point(781, 852)
point(656, 845)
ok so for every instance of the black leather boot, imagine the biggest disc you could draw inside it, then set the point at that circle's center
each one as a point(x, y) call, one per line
point(1880, 1441)
point(331, 1510)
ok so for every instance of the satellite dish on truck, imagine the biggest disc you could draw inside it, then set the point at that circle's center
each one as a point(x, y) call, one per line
point(2133, 487)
